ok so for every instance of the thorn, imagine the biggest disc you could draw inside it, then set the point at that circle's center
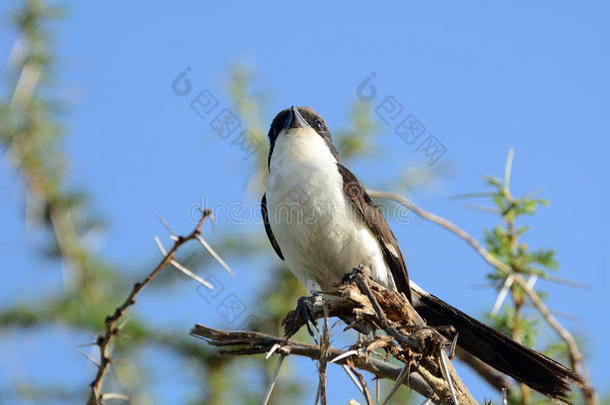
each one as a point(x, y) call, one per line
point(87, 344)
point(353, 378)
point(274, 377)
point(565, 281)
point(171, 233)
point(343, 355)
point(215, 255)
point(507, 169)
point(471, 195)
point(482, 208)
point(531, 281)
point(122, 324)
point(337, 322)
point(508, 282)
point(445, 370)
point(213, 220)
point(401, 377)
point(93, 335)
point(350, 326)
point(181, 267)
point(272, 350)
point(160, 246)
point(191, 274)
point(112, 395)
point(91, 359)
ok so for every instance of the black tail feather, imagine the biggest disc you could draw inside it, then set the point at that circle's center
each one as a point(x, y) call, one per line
point(525, 365)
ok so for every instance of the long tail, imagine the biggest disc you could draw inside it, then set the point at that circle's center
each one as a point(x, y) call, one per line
point(525, 365)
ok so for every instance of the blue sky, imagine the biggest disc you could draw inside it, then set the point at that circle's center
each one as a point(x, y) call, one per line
point(482, 77)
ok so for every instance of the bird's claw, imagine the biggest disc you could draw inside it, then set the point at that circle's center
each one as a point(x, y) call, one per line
point(305, 312)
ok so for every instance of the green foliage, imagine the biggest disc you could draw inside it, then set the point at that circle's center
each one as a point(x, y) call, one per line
point(355, 141)
point(504, 242)
point(521, 329)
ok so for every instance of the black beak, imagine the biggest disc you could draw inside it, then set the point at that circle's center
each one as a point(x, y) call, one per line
point(295, 120)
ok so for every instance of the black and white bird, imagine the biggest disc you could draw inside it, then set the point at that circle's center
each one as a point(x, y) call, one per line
point(322, 223)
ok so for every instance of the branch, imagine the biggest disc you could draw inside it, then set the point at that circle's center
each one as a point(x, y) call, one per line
point(450, 226)
point(373, 307)
point(576, 359)
point(257, 343)
point(322, 364)
point(112, 321)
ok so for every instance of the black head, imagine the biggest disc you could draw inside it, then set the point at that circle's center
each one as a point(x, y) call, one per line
point(300, 117)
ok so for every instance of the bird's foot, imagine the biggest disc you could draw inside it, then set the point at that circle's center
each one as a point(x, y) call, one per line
point(305, 314)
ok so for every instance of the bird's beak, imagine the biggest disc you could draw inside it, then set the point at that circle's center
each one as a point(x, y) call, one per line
point(295, 120)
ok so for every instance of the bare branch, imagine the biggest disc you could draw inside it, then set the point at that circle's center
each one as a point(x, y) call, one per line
point(257, 342)
point(576, 360)
point(408, 339)
point(112, 321)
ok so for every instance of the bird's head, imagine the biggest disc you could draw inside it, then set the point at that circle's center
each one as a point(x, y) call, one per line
point(300, 122)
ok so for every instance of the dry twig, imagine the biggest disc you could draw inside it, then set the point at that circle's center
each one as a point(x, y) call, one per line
point(112, 327)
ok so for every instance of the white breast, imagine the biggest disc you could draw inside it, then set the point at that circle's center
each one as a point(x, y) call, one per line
point(320, 233)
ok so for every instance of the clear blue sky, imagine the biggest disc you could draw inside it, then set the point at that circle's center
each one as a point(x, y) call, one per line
point(481, 77)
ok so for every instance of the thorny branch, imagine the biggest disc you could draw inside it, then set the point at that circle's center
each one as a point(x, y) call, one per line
point(112, 326)
point(408, 340)
point(257, 343)
point(322, 364)
point(576, 359)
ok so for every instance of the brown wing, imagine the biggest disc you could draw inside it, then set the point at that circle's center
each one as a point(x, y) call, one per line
point(379, 227)
point(276, 247)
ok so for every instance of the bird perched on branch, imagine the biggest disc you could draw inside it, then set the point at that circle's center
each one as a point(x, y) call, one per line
point(321, 221)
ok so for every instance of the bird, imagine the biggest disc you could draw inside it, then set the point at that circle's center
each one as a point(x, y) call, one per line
point(321, 221)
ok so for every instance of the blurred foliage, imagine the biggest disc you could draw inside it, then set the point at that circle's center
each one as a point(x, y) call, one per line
point(31, 135)
point(505, 243)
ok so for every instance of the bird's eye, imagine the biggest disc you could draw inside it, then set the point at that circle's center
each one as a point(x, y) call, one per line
point(318, 125)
